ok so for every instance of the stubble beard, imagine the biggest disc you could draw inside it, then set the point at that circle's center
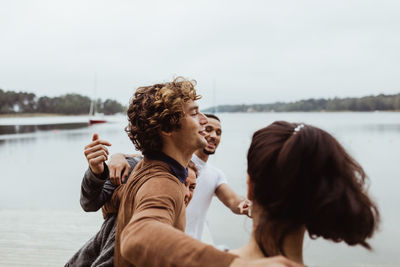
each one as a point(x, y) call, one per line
point(205, 151)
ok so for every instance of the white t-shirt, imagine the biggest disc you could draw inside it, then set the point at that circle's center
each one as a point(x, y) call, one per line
point(208, 180)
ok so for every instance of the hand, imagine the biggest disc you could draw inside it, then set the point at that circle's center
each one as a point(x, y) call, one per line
point(244, 207)
point(277, 261)
point(119, 168)
point(96, 154)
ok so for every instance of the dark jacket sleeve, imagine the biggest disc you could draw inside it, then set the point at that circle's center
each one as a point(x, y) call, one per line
point(97, 190)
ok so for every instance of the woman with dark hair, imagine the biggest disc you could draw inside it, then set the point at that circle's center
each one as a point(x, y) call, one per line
point(301, 179)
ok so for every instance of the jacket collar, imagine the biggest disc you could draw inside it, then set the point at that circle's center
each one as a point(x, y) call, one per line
point(177, 169)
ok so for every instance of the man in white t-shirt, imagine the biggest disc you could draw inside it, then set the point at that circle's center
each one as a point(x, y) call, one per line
point(211, 182)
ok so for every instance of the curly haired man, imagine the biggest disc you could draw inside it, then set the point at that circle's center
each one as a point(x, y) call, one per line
point(166, 126)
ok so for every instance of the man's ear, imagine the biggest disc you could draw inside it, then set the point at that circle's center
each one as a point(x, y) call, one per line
point(164, 133)
point(249, 188)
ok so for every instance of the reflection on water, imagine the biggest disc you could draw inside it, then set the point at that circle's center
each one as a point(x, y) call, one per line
point(383, 127)
point(18, 129)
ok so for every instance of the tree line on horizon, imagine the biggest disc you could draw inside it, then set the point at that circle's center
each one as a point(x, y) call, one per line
point(368, 103)
point(70, 104)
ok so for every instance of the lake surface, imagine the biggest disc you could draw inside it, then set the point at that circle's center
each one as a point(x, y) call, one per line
point(42, 167)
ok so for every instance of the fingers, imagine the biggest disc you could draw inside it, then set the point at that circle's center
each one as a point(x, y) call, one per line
point(96, 163)
point(119, 168)
point(115, 175)
point(240, 206)
point(244, 210)
point(95, 137)
point(94, 149)
point(97, 142)
point(244, 207)
point(126, 172)
point(97, 154)
point(119, 173)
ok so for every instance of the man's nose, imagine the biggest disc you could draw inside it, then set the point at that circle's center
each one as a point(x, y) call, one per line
point(187, 193)
point(203, 119)
point(213, 134)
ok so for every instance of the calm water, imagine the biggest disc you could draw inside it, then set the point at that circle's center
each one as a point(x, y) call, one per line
point(41, 169)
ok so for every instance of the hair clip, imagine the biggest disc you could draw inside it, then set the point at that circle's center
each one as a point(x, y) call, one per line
point(298, 128)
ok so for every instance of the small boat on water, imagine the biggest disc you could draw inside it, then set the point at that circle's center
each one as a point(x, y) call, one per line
point(94, 117)
point(94, 121)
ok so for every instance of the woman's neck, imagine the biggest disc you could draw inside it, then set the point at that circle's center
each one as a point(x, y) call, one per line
point(292, 245)
point(250, 251)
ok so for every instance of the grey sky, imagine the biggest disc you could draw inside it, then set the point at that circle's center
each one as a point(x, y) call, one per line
point(252, 51)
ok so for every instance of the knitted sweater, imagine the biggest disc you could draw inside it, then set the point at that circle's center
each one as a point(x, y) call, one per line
point(151, 221)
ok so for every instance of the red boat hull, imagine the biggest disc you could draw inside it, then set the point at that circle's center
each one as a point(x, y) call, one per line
point(96, 121)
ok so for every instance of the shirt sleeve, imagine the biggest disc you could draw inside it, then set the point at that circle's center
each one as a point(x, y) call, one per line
point(97, 190)
point(94, 192)
point(150, 239)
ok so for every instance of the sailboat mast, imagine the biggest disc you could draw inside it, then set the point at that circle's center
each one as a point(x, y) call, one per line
point(94, 116)
point(93, 108)
point(214, 98)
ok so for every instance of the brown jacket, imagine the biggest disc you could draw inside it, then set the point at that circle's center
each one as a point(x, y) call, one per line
point(151, 221)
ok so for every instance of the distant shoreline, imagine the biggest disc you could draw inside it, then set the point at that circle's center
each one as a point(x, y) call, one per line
point(23, 115)
point(26, 115)
point(367, 103)
point(303, 111)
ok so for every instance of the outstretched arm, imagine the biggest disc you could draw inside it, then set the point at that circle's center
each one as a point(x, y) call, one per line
point(233, 201)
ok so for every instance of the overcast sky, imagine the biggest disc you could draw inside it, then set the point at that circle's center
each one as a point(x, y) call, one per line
point(238, 51)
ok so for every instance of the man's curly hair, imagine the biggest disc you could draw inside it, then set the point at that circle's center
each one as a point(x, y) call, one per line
point(157, 108)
